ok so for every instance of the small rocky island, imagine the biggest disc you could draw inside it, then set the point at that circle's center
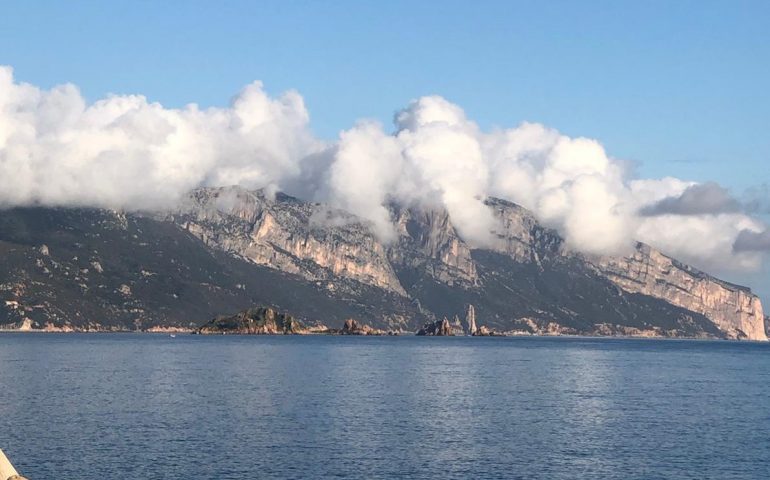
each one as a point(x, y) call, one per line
point(256, 321)
point(352, 327)
point(269, 321)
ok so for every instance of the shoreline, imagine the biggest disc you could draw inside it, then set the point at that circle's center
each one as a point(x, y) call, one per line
point(193, 332)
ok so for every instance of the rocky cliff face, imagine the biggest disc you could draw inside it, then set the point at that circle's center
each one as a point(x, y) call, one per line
point(521, 237)
point(734, 309)
point(288, 235)
point(428, 241)
point(228, 248)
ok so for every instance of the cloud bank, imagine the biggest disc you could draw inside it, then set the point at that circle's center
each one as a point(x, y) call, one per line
point(125, 152)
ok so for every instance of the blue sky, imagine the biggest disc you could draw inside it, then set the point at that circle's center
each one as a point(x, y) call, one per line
point(680, 88)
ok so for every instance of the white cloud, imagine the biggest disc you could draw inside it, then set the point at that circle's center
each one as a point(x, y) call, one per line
point(125, 152)
point(367, 166)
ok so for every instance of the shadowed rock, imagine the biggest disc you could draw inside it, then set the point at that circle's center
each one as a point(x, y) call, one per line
point(255, 321)
point(352, 327)
point(437, 328)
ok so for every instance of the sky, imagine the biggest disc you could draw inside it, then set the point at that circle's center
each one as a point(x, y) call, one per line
point(678, 87)
point(669, 89)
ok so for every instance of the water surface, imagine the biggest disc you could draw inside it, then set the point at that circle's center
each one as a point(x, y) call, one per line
point(113, 406)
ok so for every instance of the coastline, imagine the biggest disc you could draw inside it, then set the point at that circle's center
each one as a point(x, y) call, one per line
point(193, 332)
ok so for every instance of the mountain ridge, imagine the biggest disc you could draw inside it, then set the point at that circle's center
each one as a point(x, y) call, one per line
point(526, 282)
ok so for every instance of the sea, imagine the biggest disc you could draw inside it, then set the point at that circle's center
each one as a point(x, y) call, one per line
point(153, 406)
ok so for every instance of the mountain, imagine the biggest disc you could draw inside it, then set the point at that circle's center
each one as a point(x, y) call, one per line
point(89, 269)
point(227, 249)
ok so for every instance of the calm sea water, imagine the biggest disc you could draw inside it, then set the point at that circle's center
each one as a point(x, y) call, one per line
point(114, 406)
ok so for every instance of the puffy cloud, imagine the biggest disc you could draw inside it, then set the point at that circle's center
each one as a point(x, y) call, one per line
point(570, 184)
point(434, 159)
point(703, 240)
point(366, 167)
point(123, 151)
point(126, 152)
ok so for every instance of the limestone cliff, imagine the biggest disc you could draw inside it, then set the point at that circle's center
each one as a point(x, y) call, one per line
point(288, 235)
point(428, 241)
point(521, 236)
point(734, 309)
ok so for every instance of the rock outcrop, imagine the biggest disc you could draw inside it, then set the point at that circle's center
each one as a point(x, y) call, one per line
point(438, 328)
point(470, 320)
point(352, 327)
point(484, 331)
point(255, 321)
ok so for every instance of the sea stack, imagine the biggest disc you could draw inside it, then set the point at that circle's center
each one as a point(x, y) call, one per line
point(470, 320)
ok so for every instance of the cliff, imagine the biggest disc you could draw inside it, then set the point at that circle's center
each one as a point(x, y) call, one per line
point(734, 309)
point(289, 235)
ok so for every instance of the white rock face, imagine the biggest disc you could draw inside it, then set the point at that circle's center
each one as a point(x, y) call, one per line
point(429, 241)
point(734, 309)
point(291, 236)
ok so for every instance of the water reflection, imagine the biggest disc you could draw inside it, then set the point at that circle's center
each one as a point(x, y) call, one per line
point(88, 406)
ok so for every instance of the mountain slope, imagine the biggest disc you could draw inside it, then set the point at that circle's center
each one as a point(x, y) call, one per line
point(86, 268)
